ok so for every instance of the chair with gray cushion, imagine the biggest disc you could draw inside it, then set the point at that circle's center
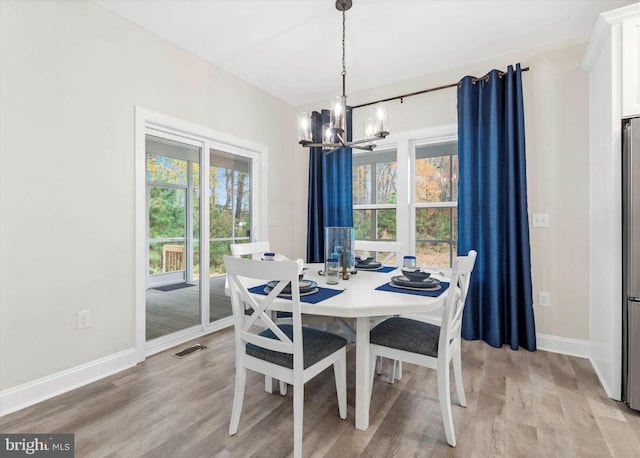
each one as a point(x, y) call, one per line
point(428, 345)
point(288, 352)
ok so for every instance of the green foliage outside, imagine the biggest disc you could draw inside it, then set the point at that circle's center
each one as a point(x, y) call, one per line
point(229, 199)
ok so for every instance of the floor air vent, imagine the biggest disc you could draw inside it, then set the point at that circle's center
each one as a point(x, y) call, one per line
point(188, 351)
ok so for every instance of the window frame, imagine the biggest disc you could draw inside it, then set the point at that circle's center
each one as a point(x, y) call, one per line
point(405, 144)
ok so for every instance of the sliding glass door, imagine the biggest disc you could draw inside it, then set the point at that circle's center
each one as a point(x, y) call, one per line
point(173, 222)
point(197, 191)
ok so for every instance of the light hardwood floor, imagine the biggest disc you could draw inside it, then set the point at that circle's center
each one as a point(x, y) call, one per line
point(525, 404)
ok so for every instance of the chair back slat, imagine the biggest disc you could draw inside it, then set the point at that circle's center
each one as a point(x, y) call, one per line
point(258, 308)
point(240, 273)
point(456, 298)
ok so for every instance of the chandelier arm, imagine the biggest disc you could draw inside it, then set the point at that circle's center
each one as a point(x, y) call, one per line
point(364, 148)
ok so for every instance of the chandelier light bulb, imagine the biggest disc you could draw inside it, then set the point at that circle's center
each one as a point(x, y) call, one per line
point(304, 128)
point(326, 134)
point(337, 117)
point(381, 127)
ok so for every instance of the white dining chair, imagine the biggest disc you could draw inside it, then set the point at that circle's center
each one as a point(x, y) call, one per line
point(389, 250)
point(431, 346)
point(253, 249)
point(288, 352)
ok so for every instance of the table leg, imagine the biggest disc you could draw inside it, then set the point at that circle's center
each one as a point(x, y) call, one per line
point(362, 373)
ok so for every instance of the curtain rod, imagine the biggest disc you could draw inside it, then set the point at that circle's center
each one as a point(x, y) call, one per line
point(401, 97)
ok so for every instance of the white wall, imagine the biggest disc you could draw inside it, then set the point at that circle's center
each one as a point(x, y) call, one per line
point(71, 74)
point(556, 117)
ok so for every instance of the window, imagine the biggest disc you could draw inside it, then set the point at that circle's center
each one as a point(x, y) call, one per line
point(407, 190)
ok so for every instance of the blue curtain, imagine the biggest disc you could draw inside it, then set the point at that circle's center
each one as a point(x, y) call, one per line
point(492, 210)
point(330, 194)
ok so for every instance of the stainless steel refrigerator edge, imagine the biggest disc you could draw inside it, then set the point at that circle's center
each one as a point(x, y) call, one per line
point(631, 263)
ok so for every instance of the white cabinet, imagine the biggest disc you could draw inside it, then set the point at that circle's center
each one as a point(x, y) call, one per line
point(631, 66)
point(612, 61)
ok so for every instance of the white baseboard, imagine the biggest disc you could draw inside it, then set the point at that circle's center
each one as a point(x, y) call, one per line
point(19, 397)
point(564, 345)
point(554, 344)
point(605, 385)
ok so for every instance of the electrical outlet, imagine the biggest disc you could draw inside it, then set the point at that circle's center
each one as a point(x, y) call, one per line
point(84, 319)
point(540, 220)
point(544, 299)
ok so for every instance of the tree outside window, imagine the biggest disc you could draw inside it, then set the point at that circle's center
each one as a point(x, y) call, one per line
point(436, 207)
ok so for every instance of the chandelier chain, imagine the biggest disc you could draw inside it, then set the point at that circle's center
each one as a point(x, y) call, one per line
point(344, 65)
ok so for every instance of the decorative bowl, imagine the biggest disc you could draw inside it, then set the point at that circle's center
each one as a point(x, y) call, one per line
point(415, 274)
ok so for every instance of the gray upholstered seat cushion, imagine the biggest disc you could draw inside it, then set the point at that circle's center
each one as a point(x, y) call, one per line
point(316, 345)
point(408, 335)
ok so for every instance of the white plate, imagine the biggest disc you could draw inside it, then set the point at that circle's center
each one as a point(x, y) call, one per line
point(401, 280)
point(306, 293)
point(435, 288)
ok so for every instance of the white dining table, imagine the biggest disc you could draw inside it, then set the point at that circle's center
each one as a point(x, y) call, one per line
point(360, 300)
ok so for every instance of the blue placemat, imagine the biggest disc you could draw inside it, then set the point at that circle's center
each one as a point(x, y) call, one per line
point(383, 269)
point(319, 296)
point(387, 287)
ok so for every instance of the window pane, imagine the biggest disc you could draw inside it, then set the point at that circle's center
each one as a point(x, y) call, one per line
point(163, 169)
point(454, 226)
point(433, 253)
point(436, 173)
point(195, 180)
point(230, 197)
point(433, 223)
point(454, 178)
point(361, 184)
point(375, 224)
point(216, 252)
point(167, 213)
point(375, 177)
point(386, 224)
point(386, 178)
point(363, 224)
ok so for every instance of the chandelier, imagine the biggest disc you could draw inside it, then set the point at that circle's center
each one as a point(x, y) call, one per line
point(334, 134)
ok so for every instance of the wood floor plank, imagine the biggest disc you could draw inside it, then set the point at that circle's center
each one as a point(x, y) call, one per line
point(519, 404)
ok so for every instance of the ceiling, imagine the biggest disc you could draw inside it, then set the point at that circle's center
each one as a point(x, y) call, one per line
point(292, 48)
